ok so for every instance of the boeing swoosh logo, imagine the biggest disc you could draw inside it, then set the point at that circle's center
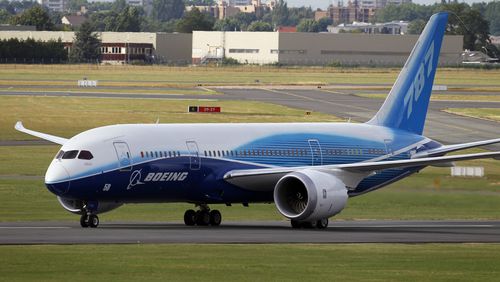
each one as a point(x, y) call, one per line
point(135, 179)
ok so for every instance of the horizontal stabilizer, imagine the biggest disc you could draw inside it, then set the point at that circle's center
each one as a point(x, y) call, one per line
point(55, 139)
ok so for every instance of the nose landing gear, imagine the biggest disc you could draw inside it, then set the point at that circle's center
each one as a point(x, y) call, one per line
point(202, 217)
point(88, 219)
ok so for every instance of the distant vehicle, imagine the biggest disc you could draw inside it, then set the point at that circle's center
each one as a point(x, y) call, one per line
point(309, 170)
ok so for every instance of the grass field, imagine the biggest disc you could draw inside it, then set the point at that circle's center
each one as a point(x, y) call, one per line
point(68, 116)
point(445, 97)
point(160, 76)
point(482, 113)
point(285, 262)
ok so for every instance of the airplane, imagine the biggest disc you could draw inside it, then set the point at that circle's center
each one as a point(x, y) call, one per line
point(309, 170)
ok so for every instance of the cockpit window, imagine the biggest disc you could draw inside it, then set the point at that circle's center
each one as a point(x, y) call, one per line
point(59, 154)
point(85, 155)
point(70, 154)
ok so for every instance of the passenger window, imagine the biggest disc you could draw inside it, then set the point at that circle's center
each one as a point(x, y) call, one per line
point(59, 154)
point(70, 154)
point(85, 155)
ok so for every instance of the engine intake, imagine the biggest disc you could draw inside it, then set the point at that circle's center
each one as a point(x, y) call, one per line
point(309, 195)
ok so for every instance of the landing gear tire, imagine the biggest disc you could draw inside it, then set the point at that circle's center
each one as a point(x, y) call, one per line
point(215, 218)
point(84, 221)
point(93, 221)
point(190, 217)
point(202, 218)
point(322, 223)
point(296, 224)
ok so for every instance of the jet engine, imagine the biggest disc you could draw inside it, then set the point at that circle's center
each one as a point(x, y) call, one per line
point(310, 195)
point(76, 206)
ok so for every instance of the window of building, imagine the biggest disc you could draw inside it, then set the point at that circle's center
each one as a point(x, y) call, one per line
point(252, 51)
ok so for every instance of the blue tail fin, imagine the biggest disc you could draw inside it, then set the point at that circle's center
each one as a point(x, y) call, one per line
point(406, 105)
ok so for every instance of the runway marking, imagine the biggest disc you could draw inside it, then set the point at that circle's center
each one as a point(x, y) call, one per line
point(316, 100)
point(421, 226)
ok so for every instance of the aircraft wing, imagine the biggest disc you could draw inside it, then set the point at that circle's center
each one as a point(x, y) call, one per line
point(55, 139)
point(455, 147)
point(264, 179)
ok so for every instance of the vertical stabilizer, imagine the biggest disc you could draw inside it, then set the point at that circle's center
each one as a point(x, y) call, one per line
point(406, 105)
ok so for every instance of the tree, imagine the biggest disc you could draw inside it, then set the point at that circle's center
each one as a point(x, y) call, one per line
point(165, 10)
point(492, 14)
point(260, 26)
point(4, 16)
point(471, 25)
point(295, 15)
point(195, 20)
point(36, 16)
point(129, 20)
point(324, 23)
point(227, 24)
point(86, 44)
point(75, 5)
point(308, 25)
point(280, 13)
point(416, 26)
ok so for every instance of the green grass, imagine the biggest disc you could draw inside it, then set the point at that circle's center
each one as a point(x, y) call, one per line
point(445, 97)
point(482, 113)
point(131, 91)
point(192, 76)
point(268, 262)
point(68, 116)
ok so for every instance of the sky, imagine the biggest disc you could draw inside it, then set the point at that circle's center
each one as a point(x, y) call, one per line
point(324, 3)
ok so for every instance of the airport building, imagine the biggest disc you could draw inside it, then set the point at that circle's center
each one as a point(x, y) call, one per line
point(123, 47)
point(314, 48)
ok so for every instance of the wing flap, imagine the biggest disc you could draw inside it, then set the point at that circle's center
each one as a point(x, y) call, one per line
point(55, 139)
point(455, 147)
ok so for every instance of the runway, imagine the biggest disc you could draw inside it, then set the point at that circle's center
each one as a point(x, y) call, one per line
point(252, 232)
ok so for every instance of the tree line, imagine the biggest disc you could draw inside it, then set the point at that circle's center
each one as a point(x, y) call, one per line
point(31, 49)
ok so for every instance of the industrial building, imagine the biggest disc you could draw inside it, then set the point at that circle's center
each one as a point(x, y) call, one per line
point(293, 48)
point(314, 48)
point(123, 47)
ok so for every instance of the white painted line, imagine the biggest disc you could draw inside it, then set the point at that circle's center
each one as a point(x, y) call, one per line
point(419, 226)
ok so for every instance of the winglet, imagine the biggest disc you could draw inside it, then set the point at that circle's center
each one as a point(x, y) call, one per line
point(55, 139)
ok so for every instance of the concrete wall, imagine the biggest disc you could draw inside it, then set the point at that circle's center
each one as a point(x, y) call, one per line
point(317, 48)
point(246, 47)
point(174, 47)
point(380, 49)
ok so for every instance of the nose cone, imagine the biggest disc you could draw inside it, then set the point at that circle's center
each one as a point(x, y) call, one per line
point(57, 178)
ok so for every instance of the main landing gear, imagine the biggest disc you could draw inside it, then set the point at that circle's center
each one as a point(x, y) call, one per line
point(320, 224)
point(202, 217)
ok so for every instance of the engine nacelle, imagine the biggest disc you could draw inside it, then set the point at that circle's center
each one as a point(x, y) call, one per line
point(310, 195)
point(76, 206)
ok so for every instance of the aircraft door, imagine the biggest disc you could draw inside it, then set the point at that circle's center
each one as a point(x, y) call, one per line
point(194, 155)
point(317, 156)
point(388, 146)
point(124, 157)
